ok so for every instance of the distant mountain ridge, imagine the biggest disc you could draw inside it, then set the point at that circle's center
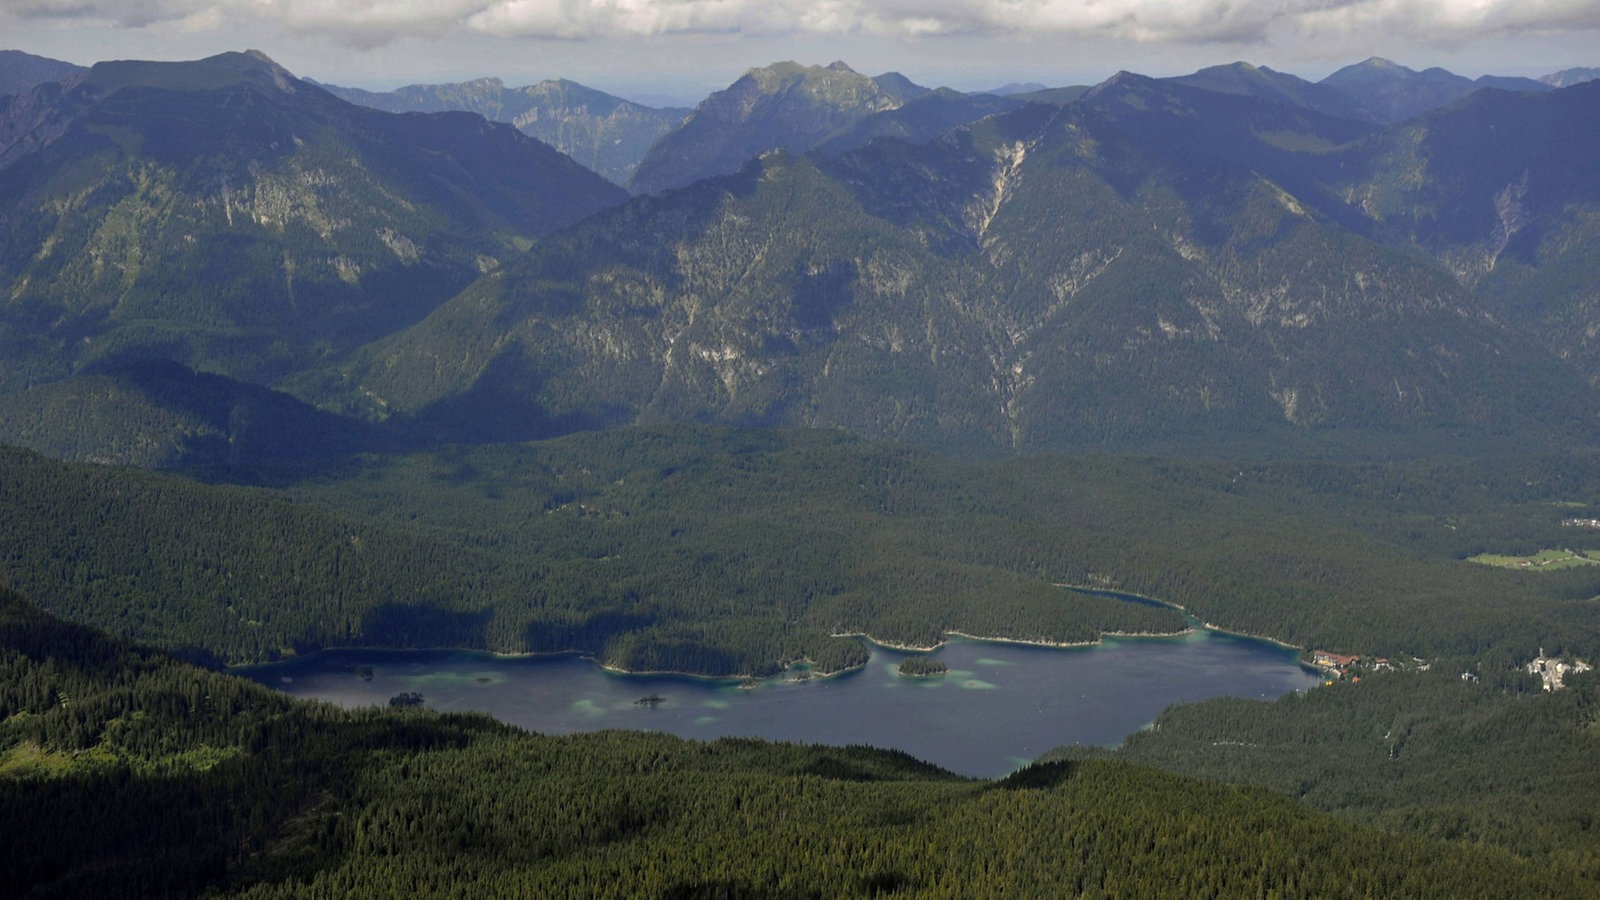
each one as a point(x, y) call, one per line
point(20, 71)
point(1017, 87)
point(605, 133)
point(1570, 77)
point(1389, 92)
point(1263, 83)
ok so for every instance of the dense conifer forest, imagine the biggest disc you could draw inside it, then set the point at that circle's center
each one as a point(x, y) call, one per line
point(723, 551)
point(1429, 753)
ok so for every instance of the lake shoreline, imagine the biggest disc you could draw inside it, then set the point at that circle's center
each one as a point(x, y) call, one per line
point(1208, 626)
point(817, 674)
point(996, 704)
point(1026, 642)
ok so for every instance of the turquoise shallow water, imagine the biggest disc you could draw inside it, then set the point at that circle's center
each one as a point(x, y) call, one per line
point(999, 706)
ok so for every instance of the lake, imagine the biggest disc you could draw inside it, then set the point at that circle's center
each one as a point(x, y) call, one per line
point(1000, 705)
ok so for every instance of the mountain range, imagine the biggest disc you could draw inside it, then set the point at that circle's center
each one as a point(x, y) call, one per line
point(795, 107)
point(1155, 262)
point(1235, 258)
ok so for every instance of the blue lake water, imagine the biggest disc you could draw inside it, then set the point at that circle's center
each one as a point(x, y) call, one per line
point(998, 707)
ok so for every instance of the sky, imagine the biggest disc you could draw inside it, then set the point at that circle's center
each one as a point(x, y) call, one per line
point(679, 50)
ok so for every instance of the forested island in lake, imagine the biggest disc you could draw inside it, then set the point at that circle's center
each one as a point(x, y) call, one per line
point(920, 666)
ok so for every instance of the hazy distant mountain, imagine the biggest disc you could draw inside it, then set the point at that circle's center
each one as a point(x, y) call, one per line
point(1570, 77)
point(1390, 92)
point(20, 71)
point(1512, 83)
point(605, 133)
point(1055, 96)
point(1155, 265)
point(784, 106)
point(1018, 87)
point(227, 215)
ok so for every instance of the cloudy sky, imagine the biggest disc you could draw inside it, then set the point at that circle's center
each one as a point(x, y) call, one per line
point(681, 49)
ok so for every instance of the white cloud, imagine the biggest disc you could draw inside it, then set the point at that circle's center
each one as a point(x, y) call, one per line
point(1459, 19)
point(373, 22)
point(124, 13)
point(1240, 21)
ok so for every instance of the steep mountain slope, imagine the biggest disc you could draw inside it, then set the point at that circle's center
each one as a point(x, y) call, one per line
point(1502, 189)
point(1156, 263)
point(226, 215)
point(21, 71)
point(784, 106)
point(605, 133)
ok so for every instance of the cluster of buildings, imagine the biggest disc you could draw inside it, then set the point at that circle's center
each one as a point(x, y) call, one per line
point(1338, 665)
point(1552, 670)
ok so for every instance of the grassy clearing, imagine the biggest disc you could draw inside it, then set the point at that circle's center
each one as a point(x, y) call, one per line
point(29, 759)
point(1543, 561)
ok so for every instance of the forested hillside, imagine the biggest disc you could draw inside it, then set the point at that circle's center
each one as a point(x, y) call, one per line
point(740, 551)
point(1504, 765)
point(158, 414)
point(639, 549)
point(226, 215)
